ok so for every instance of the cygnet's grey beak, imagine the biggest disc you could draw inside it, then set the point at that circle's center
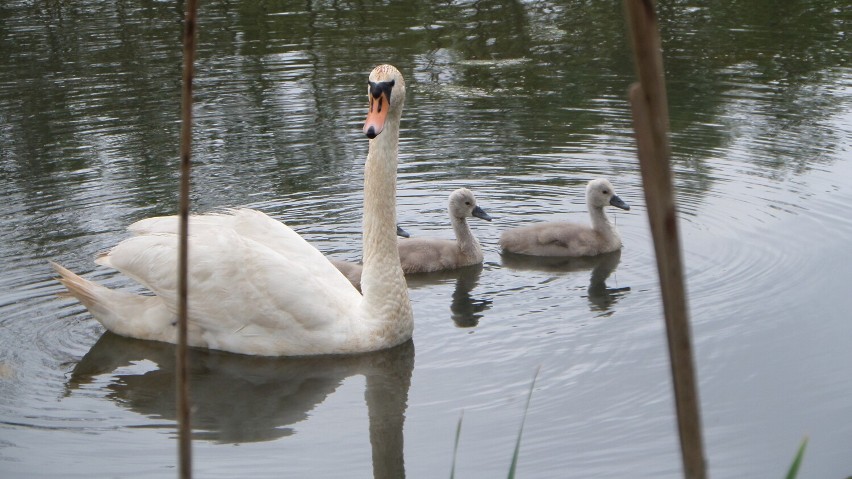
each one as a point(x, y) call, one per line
point(401, 232)
point(619, 203)
point(480, 213)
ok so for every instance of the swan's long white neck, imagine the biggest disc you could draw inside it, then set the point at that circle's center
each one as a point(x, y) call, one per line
point(382, 281)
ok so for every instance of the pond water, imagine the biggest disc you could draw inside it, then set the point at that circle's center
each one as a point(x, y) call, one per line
point(522, 102)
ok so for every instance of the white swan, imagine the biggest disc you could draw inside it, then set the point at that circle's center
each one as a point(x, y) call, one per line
point(571, 239)
point(255, 286)
point(425, 255)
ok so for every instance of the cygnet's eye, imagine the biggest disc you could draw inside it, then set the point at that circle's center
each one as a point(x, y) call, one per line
point(606, 192)
point(467, 203)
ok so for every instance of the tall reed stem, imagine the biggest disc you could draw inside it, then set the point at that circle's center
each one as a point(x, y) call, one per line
point(651, 125)
point(182, 363)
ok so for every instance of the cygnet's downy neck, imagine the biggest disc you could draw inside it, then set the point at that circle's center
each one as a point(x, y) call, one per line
point(467, 242)
point(600, 221)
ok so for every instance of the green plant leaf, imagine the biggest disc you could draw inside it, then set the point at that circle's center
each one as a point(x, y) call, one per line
point(794, 468)
point(521, 431)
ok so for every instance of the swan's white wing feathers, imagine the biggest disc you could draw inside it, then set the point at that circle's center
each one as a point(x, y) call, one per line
point(250, 290)
point(245, 222)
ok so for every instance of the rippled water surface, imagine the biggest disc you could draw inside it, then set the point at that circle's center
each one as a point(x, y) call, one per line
point(522, 102)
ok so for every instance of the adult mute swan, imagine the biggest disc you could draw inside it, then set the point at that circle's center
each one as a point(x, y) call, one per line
point(255, 286)
point(571, 239)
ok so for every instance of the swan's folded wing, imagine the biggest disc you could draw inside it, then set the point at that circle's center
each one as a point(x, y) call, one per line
point(247, 223)
point(239, 285)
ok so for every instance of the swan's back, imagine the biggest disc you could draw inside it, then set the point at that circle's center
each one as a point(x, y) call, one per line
point(352, 271)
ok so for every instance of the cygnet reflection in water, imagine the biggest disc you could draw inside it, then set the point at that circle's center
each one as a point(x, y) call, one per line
point(601, 297)
point(466, 310)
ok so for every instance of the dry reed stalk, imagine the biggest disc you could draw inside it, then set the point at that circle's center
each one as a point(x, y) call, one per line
point(651, 125)
point(182, 363)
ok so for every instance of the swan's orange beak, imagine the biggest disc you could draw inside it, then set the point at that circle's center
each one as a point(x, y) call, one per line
point(380, 94)
point(375, 123)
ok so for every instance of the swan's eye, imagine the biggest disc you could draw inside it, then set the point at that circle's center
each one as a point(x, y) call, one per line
point(467, 203)
point(606, 192)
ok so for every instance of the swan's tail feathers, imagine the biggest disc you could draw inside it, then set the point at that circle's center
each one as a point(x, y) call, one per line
point(85, 291)
point(123, 313)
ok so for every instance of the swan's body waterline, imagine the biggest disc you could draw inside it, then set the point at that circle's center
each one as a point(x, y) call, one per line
point(257, 287)
point(571, 239)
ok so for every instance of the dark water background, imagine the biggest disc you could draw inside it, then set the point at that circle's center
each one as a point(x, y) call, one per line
point(523, 102)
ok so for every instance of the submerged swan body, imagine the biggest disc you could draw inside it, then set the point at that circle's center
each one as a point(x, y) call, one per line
point(255, 286)
point(571, 239)
point(425, 255)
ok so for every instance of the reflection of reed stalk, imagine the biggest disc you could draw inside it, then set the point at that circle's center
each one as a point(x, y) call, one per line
point(182, 362)
point(651, 124)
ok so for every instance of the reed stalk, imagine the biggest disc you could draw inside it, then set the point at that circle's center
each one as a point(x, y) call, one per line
point(182, 363)
point(651, 125)
point(456, 446)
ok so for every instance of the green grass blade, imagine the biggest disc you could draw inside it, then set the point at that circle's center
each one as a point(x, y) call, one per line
point(794, 468)
point(521, 431)
point(456, 446)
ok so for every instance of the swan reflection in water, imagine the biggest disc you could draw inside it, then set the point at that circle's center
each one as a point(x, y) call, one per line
point(601, 297)
point(238, 398)
point(466, 310)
